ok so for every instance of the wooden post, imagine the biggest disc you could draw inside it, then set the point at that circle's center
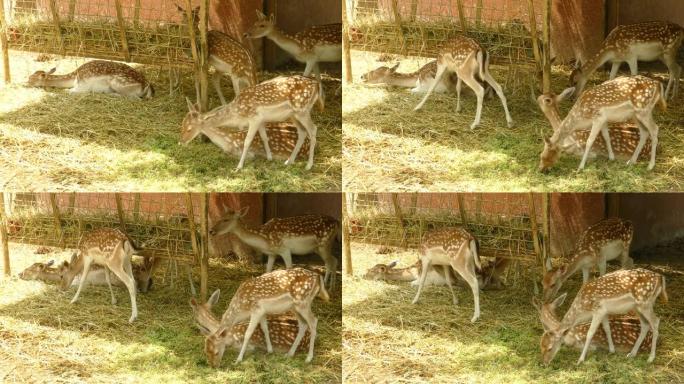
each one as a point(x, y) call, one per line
point(346, 243)
point(192, 226)
point(136, 14)
point(400, 218)
point(270, 49)
point(57, 219)
point(72, 203)
point(136, 207)
point(4, 236)
point(461, 209)
point(612, 15)
point(546, 225)
point(119, 209)
point(72, 10)
point(397, 21)
point(414, 9)
point(55, 21)
point(461, 16)
point(533, 33)
point(204, 58)
point(3, 43)
point(346, 49)
point(193, 46)
point(122, 31)
point(204, 254)
point(478, 13)
point(612, 205)
point(546, 74)
point(535, 229)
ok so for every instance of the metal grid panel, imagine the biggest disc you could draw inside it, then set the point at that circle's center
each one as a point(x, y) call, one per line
point(156, 221)
point(501, 222)
point(417, 27)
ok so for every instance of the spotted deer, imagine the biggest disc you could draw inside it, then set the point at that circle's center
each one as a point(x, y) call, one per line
point(624, 136)
point(615, 293)
point(624, 330)
point(455, 248)
point(650, 41)
point(271, 293)
point(282, 139)
point(282, 328)
point(276, 100)
point(613, 101)
point(112, 249)
point(286, 236)
point(609, 239)
point(470, 61)
point(97, 76)
point(49, 273)
point(228, 57)
point(319, 43)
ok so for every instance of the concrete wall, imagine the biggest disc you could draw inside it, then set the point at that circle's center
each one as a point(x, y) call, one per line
point(657, 217)
point(577, 29)
point(634, 11)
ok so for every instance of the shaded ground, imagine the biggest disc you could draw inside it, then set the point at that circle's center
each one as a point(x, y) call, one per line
point(44, 339)
point(387, 339)
point(388, 147)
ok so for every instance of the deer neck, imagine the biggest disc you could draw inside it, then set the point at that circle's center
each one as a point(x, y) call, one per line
point(212, 123)
point(579, 260)
point(402, 79)
point(61, 81)
point(207, 320)
point(594, 63)
point(250, 237)
point(549, 318)
point(49, 275)
point(402, 274)
point(285, 41)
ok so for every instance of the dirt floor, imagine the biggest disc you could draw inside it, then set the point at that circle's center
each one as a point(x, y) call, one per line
point(53, 140)
point(388, 339)
point(388, 147)
point(45, 339)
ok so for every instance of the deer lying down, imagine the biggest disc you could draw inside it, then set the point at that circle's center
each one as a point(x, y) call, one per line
point(48, 273)
point(98, 76)
point(282, 328)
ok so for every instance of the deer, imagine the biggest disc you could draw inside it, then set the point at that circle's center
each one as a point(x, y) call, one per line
point(271, 293)
point(97, 76)
point(612, 294)
point(49, 273)
point(609, 239)
point(279, 99)
point(649, 41)
point(613, 101)
point(624, 330)
point(286, 236)
point(419, 81)
point(111, 248)
point(282, 138)
point(624, 136)
point(319, 43)
point(282, 329)
point(470, 61)
point(228, 57)
point(456, 248)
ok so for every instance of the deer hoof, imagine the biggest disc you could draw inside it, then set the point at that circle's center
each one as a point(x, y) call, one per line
point(511, 124)
point(309, 166)
point(650, 359)
point(651, 166)
point(631, 355)
point(309, 358)
point(473, 126)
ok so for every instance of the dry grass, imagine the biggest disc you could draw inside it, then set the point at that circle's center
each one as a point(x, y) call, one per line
point(44, 339)
point(53, 140)
point(387, 339)
point(387, 147)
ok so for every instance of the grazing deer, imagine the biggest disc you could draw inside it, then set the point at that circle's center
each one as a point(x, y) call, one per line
point(271, 293)
point(624, 136)
point(454, 247)
point(98, 76)
point(282, 329)
point(654, 40)
point(613, 101)
point(108, 247)
point(46, 272)
point(469, 60)
point(275, 100)
point(319, 43)
point(228, 57)
point(282, 139)
point(609, 239)
point(613, 294)
point(624, 330)
point(286, 236)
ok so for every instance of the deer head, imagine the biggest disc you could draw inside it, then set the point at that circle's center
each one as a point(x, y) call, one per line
point(262, 26)
point(38, 78)
point(228, 222)
point(552, 339)
point(379, 75)
point(35, 270)
point(378, 271)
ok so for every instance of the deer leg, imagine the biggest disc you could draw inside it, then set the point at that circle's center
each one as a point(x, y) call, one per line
point(309, 68)
point(633, 66)
point(647, 120)
point(263, 324)
point(602, 264)
point(438, 78)
point(670, 59)
point(646, 311)
point(124, 272)
point(499, 92)
point(317, 71)
point(595, 322)
point(614, 69)
point(645, 327)
point(254, 320)
point(479, 93)
point(625, 260)
point(305, 120)
point(301, 135)
point(447, 276)
point(459, 84)
point(585, 275)
point(269, 263)
point(253, 128)
point(302, 326)
point(304, 311)
point(264, 140)
point(423, 275)
point(330, 264)
point(654, 339)
point(609, 337)
point(467, 271)
point(216, 80)
point(595, 129)
point(606, 137)
point(643, 135)
point(84, 276)
point(109, 283)
point(287, 258)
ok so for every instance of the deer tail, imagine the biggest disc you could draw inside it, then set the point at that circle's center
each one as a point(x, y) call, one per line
point(483, 62)
point(322, 292)
point(473, 250)
point(320, 101)
point(661, 98)
point(663, 292)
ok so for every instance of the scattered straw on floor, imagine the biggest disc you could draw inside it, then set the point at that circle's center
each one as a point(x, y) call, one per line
point(388, 339)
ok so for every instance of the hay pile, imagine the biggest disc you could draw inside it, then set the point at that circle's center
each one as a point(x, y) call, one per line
point(388, 147)
point(44, 339)
point(54, 140)
point(387, 339)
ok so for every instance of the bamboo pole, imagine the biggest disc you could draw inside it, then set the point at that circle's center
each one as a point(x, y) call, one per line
point(397, 21)
point(612, 204)
point(55, 21)
point(204, 260)
point(72, 9)
point(461, 209)
point(136, 207)
point(533, 33)
point(204, 58)
point(478, 13)
point(192, 226)
point(119, 210)
point(72, 203)
point(57, 218)
point(546, 228)
point(535, 229)
point(461, 16)
point(122, 31)
point(4, 236)
point(136, 14)
point(346, 243)
point(400, 218)
point(346, 49)
point(414, 9)
point(546, 74)
point(193, 45)
point(3, 43)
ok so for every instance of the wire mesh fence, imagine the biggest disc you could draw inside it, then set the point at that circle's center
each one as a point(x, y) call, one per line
point(142, 31)
point(506, 225)
point(418, 27)
point(160, 223)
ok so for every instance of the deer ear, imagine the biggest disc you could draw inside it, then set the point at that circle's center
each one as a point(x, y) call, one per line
point(213, 299)
point(562, 269)
point(547, 141)
point(260, 15)
point(73, 257)
point(53, 70)
point(549, 266)
point(193, 303)
point(222, 333)
point(559, 300)
point(243, 212)
point(393, 69)
point(50, 263)
point(191, 106)
point(535, 303)
point(180, 9)
point(565, 94)
point(393, 264)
